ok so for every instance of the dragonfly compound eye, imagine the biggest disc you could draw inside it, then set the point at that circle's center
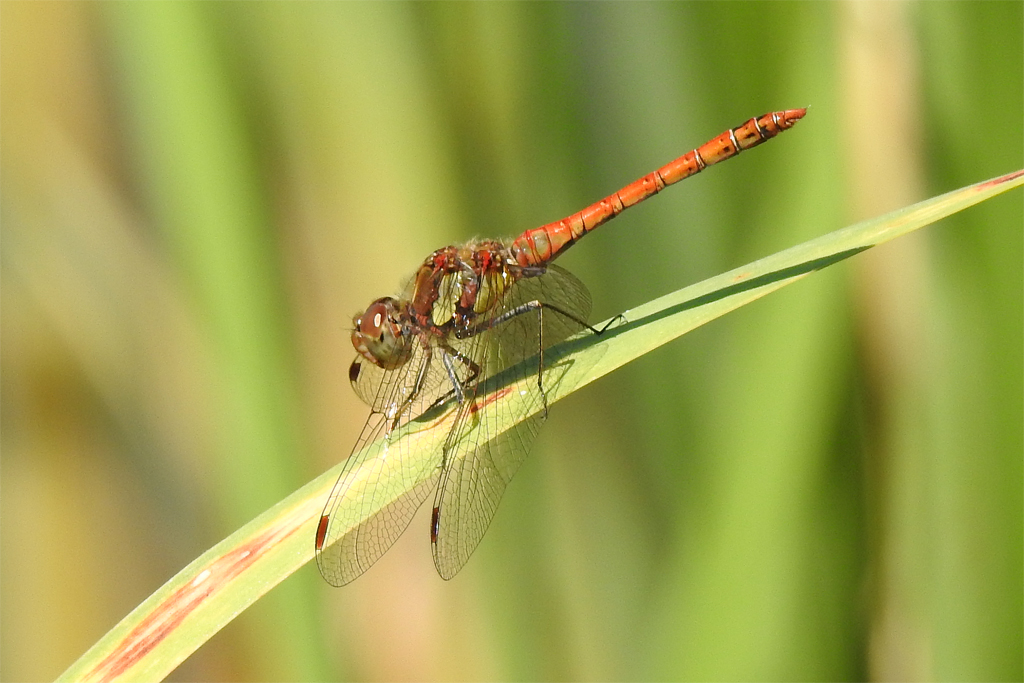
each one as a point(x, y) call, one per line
point(378, 336)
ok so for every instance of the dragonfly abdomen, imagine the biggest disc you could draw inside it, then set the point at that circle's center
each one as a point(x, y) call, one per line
point(542, 245)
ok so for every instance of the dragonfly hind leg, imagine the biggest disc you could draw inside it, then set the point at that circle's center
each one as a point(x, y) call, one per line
point(539, 306)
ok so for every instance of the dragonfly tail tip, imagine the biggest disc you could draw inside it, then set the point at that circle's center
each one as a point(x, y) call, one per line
point(794, 115)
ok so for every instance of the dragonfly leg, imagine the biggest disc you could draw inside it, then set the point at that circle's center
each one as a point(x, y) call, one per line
point(539, 306)
point(458, 386)
point(474, 369)
point(417, 387)
point(449, 367)
point(618, 318)
point(537, 271)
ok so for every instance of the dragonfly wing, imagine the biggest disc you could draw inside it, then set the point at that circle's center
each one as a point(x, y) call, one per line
point(381, 485)
point(556, 288)
point(472, 488)
point(358, 549)
point(382, 389)
point(477, 469)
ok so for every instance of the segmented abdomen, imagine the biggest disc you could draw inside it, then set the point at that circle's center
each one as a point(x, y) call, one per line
point(541, 245)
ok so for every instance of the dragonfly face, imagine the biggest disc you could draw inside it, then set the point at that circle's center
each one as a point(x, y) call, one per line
point(377, 335)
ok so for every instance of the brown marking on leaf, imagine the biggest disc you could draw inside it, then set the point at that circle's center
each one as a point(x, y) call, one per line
point(493, 398)
point(166, 617)
point(1000, 180)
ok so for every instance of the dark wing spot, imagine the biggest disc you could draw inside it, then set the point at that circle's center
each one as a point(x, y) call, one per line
point(321, 532)
point(354, 370)
point(435, 519)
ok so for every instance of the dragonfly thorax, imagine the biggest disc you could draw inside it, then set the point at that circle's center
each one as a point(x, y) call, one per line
point(457, 287)
point(377, 335)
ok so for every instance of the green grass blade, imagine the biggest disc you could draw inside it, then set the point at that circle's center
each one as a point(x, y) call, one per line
point(663, 319)
point(184, 613)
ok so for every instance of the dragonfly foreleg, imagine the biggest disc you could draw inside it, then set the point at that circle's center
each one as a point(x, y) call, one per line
point(417, 387)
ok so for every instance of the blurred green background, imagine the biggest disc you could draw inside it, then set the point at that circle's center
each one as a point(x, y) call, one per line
point(825, 485)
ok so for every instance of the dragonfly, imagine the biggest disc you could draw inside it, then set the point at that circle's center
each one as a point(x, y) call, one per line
point(471, 312)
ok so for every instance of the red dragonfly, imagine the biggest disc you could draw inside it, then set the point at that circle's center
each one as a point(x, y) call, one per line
point(469, 313)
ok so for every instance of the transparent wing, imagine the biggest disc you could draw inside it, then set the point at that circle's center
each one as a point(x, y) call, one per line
point(477, 470)
point(383, 389)
point(379, 475)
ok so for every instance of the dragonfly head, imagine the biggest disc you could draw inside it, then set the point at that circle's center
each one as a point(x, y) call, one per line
point(378, 335)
